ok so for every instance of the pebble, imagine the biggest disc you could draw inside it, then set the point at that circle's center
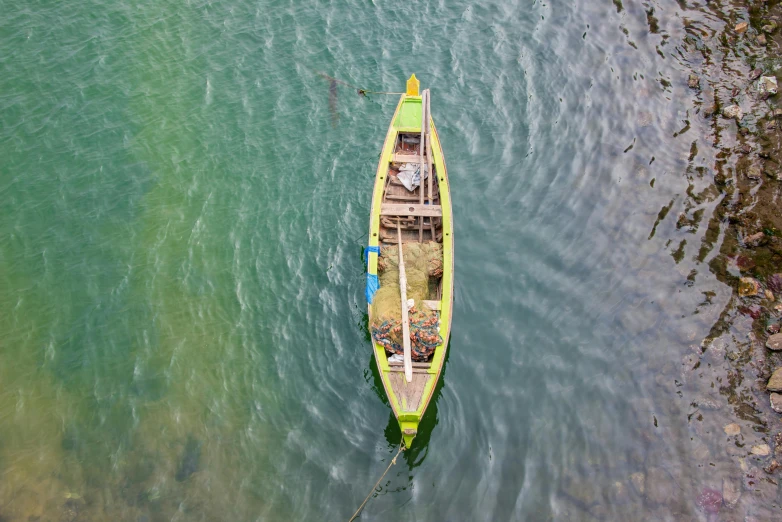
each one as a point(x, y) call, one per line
point(753, 239)
point(741, 27)
point(772, 328)
point(748, 287)
point(769, 28)
point(732, 429)
point(767, 85)
point(778, 113)
point(754, 75)
point(732, 111)
point(693, 82)
point(762, 450)
point(754, 172)
point(772, 466)
point(774, 342)
point(775, 382)
point(731, 493)
point(776, 402)
point(761, 39)
point(769, 295)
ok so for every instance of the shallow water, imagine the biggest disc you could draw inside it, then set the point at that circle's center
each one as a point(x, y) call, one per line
point(183, 209)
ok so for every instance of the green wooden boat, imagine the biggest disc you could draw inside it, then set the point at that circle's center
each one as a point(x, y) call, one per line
point(426, 212)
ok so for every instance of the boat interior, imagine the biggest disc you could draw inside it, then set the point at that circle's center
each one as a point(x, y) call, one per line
point(418, 212)
point(419, 222)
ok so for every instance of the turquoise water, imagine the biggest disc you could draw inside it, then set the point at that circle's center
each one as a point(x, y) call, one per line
point(183, 211)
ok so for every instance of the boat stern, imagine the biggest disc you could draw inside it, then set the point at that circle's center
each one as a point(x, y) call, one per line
point(409, 431)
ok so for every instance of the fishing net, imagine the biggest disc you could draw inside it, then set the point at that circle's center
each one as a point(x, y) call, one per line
point(422, 262)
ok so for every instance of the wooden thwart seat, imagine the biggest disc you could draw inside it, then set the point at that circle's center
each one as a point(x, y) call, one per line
point(396, 209)
point(415, 364)
point(406, 158)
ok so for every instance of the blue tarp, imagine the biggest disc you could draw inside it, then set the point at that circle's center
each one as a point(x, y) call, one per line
point(373, 283)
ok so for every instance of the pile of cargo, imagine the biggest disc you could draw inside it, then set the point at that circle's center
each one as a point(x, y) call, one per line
point(423, 267)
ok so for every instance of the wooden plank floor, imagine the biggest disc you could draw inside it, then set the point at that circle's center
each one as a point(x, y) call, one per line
point(409, 394)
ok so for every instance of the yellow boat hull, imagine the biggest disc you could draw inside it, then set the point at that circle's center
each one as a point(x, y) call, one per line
point(409, 400)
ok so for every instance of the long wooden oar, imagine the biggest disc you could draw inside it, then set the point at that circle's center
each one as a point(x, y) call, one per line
point(405, 318)
point(428, 111)
point(422, 186)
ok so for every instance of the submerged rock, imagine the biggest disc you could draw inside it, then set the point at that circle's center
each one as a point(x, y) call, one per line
point(618, 493)
point(775, 382)
point(710, 500)
point(776, 402)
point(638, 480)
point(693, 82)
point(761, 39)
point(191, 458)
point(700, 451)
point(705, 403)
point(731, 493)
point(741, 27)
point(751, 478)
point(733, 111)
point(659, 486)
point(772, 466)
point(732, 429)
point(774, 342)
point(748, 287)
point(644, 119)
point(754, 75)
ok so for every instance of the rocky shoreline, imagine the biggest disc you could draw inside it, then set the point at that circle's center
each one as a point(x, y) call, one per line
point(750, 257)
point(730, 433)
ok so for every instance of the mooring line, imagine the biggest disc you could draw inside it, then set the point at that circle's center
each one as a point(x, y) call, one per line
point(393, 461)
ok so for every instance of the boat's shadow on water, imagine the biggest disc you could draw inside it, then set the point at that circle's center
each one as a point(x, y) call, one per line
point(415, 455)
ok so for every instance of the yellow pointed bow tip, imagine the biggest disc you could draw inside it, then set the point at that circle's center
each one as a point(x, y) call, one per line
point(412, 86)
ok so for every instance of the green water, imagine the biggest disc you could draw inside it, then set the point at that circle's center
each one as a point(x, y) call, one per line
point(182, 210)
